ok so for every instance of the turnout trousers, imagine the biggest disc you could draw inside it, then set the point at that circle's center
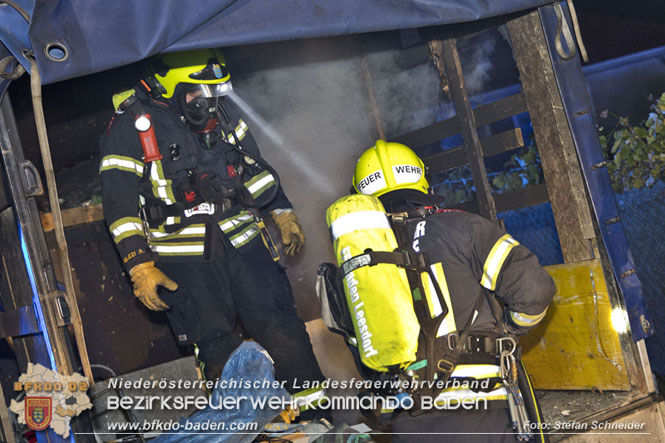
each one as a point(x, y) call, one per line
point(248, 287)
point(474, 425)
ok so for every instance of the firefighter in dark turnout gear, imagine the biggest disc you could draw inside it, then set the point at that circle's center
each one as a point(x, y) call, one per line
point(493, 288)
point(183, 187)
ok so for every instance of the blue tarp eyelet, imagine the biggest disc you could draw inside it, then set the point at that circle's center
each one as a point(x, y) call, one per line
point(56, 52)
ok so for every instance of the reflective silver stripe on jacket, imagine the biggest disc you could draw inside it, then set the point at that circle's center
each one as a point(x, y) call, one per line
point(161, 187)
point(527, 320)
point(196, 230)
point(238, 134)
point(260, 183)
point(122, 163)
point(240, 229)
point(126, 227)
point(230, 224)
point(448, 324)
point(178, 248)
point(244, 236)
point(495, 260)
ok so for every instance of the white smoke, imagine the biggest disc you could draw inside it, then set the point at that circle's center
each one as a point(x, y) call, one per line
point(477, 65)
point(307, 104)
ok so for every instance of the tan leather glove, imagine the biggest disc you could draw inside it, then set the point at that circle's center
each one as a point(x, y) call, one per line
point(293, 237)
point(146, 277)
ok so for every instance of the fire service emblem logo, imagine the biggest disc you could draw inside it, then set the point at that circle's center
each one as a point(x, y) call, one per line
point(217, 70)
point(38, 412)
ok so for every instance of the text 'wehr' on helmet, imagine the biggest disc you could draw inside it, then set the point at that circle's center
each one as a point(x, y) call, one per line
point(387, 167)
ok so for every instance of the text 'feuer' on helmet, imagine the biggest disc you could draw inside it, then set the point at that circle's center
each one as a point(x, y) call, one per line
point(388, 167)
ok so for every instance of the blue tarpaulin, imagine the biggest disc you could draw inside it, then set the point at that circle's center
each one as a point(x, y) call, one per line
point(99, 35)
point(249, 365)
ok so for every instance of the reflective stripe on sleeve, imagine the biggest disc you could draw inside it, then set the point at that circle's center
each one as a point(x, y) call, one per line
point(527, 320)
point(229, 224)
point(356, 221)
point(495, 260)
point(126, 227)
point(161, 186)
point(244, 236)
point(122, 163)
point(260, 183)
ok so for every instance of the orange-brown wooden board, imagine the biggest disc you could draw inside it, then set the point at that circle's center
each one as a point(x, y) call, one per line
point(74, 216)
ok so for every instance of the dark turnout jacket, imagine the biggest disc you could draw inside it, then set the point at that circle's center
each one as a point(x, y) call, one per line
point(473, 258)
point(182, 223)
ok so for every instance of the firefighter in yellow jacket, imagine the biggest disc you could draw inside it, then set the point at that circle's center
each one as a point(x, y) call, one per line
point(184, 188)
point(490, 290)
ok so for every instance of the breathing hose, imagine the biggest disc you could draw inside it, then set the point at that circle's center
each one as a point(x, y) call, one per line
point(225, 122)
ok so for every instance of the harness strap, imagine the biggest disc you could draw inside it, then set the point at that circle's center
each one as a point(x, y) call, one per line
point(403, 259)
point(447, 363)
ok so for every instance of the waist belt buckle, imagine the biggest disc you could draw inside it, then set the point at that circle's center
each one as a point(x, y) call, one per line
point(475, 343)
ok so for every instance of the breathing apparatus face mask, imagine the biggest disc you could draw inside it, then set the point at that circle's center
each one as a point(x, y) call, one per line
point(198, 104)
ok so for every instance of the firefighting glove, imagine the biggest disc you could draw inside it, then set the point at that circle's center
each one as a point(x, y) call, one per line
point(293, 237)
point(146, 277)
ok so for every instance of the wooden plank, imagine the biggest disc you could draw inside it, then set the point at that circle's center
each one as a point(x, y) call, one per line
point(492, 145)
point(430, 133)
point(576, 346)
point(7, 428)
point(485, 114)
point(500, 109)
point(74, 216)
point(553, 137)
point(521, 198)
point(467, 122)
point(446, 160)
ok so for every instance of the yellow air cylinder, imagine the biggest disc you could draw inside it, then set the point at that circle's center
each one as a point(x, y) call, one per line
point(378, 297)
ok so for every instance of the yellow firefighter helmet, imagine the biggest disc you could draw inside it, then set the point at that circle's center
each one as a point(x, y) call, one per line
point(387, 167)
